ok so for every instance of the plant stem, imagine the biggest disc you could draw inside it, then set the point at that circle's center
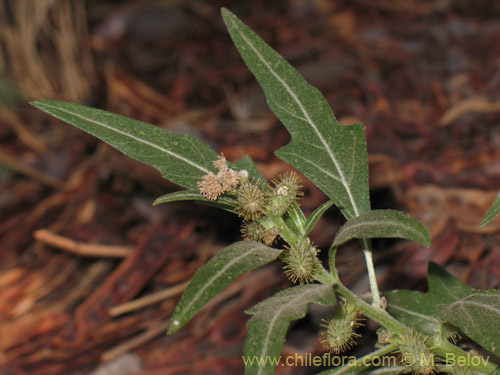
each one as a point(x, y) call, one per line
point(288, 235)
point(361, 363)
point(371, 311)
point(325, 277)
point(367, 251)
point(454, 354)
point(444, 349)
point(331, 258)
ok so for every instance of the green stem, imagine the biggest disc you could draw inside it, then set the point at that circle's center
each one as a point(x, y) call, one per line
point(324, 277)
point(371, 311)
point(453, 354)
point(361, 363)
point(331, 258)
point(443, 349)
point(367, 252)
point(286, 233)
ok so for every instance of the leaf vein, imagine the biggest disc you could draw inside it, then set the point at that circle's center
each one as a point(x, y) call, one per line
point(132, 137)
point(414, 313)
point(286, 110)
point(328, 173)
point(217, 275)
point(307, 117)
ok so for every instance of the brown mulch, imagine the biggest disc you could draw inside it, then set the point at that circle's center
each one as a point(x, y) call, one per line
point(90, 272)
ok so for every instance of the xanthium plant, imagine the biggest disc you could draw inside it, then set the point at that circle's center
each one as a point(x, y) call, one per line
point(419, 326)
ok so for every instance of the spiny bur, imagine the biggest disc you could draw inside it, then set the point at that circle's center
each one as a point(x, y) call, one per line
point(301, 262)
point(286, 191)
point(415, 354)
point(339, 334)
point(251, 200)
point(254, 231)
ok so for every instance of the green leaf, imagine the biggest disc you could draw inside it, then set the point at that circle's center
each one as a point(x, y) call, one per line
point(332, 156)
point(225, 267)
point(246, 163)
point(223, 202)
point(493, 212)
point(297, 216)
point(180, 158)
point(420, 310)
point(183, 195)
point(383, 224)
point(271, 319)
point(313, 219)
point(478, 316)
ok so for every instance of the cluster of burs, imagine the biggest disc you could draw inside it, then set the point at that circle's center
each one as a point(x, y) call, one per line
point(339, 335)
point(264, 210)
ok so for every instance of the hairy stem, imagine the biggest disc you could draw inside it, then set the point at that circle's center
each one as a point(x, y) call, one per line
point(444, 349)
point(453, 354)
point(324, 277)
point(360, 364)
point(285, 232)
point(331, 258)
point(371, 311)
point(367, 252)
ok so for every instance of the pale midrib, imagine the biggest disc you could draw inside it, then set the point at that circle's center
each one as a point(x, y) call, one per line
point(128, 135)
point(308, 118)
point(266, 342)
point(178, 196)
point(461, 305)
point(271, 324)
point(368, 225)
point(212, 279)
point(329, 174)
point(414, 313)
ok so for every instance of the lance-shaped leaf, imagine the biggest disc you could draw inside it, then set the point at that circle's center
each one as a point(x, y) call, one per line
point(383, 224)
point(183, 195)
point(493, 212)
point(313, 219)
point(478, 316)
point(270, 322)
point(223, 202)
point(225, 267)
point(180, 158)
point(297, 216)
point(420, 310)
point(332, 156)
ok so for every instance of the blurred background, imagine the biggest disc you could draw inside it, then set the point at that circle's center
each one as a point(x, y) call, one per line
point(90, 272)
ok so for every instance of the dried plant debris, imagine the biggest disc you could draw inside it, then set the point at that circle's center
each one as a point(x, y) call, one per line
point(428, 93)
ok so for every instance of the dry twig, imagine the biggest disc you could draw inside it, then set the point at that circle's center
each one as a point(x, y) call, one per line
point(148, 300)
point(81, 248)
